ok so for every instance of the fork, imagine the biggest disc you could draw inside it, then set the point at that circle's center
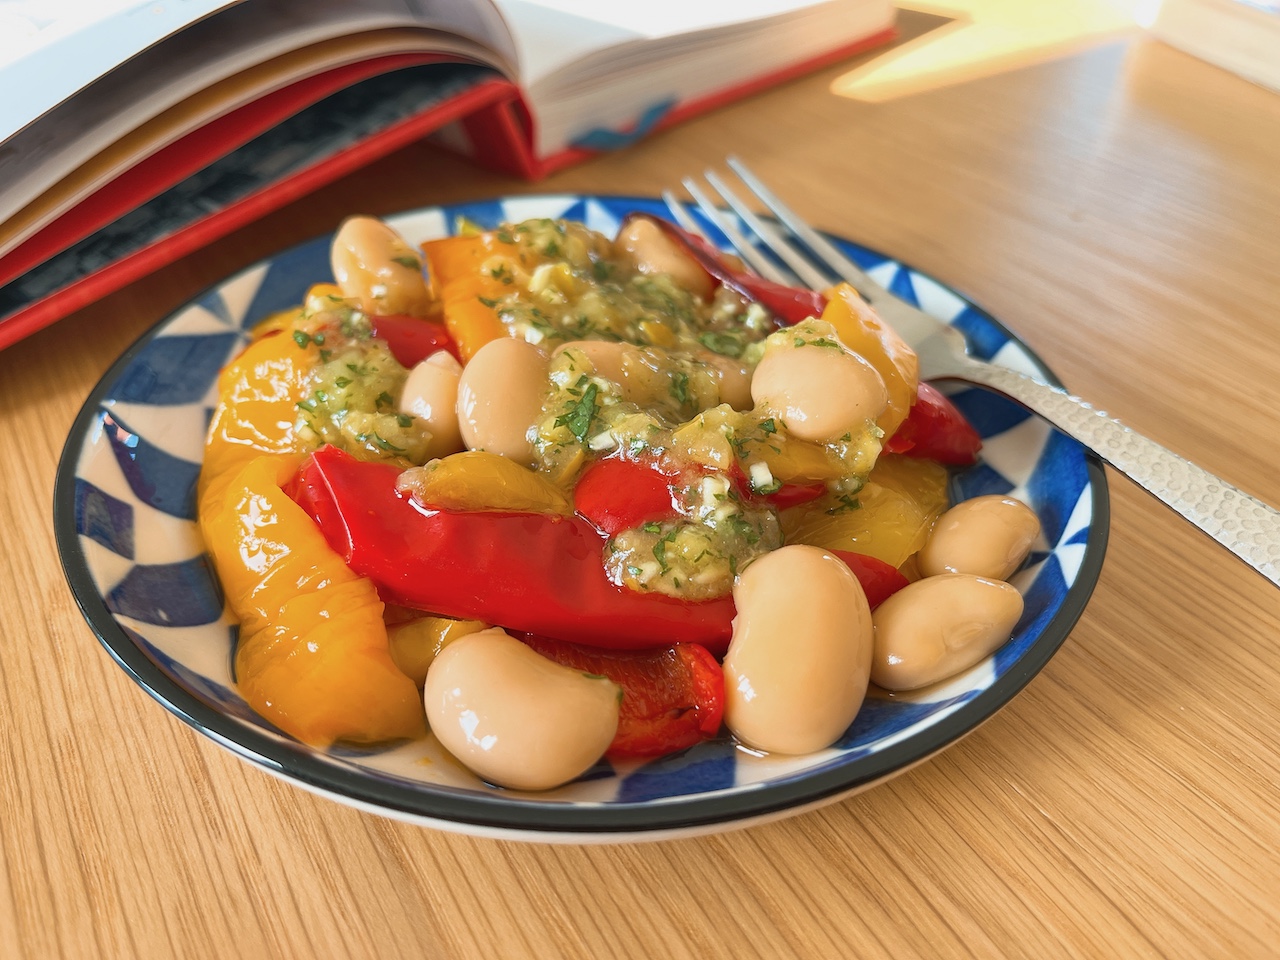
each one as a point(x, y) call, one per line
point(1243, 524)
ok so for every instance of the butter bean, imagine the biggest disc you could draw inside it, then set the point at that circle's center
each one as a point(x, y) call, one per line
point(987, 536)
point(374, 265)
point(653, 252)
point(608, 359)
point(939, 626)
point(800, 657)
point(734, 379)
point(514, 717)
point(500, 398)
point(819, 392)
point(431, 394)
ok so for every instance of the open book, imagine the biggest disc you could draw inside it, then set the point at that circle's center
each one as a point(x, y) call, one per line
point(135, 131)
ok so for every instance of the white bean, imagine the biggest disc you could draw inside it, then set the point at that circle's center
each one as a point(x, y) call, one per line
point(938, 626)
point(987, 536)
point(734, 379)
point(514, 717)
point(798, 664)
point(500, 398)
point(608, 359)
point(653, 252)
point(819, 392)
point(374, 265)
point(431, 394)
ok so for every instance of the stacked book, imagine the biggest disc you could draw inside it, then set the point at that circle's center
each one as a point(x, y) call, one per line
point(133, 133)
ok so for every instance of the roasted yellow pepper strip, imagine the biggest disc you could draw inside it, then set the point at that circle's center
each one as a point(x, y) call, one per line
point(895, 512)
point(862, 331)
point(475, 480)
point(313, 655)
point(258, 393)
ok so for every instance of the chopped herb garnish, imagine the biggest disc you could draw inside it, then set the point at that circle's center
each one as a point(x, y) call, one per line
point(387, 444)
point(660, 550)
point(505, 237)
point(845, 502)
point(680, 388)
point(342, 382)
point(385, 399)
point(488, 302)
point(404, 420)
point(580, 414)
point(652, 527)
point(768, 426)
point(552, 249)
point(725, 344)
point(411, 263)
point(302, 338)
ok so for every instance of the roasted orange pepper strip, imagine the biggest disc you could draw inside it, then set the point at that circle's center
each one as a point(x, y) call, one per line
point(451, 258)
point(469, 316)
point(313, 656)
point(258, 394)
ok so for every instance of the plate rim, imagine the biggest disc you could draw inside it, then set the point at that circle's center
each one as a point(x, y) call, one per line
point(516, 817)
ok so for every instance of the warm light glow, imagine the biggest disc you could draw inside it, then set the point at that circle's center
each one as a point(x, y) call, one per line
point(986, 37)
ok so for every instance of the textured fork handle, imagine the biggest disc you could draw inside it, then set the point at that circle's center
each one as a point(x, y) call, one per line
point(1243, 524)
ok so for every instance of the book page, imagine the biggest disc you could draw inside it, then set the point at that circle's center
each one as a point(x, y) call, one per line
point(49, 49)
point(198, 57)
point(594, 70)
point(551, 34)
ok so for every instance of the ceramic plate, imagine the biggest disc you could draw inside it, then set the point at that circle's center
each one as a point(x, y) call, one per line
point(124, 510)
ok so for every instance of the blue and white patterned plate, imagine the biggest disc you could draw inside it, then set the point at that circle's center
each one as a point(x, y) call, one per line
point(124, 511)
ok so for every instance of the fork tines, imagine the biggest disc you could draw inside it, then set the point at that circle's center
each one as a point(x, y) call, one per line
point(810, 257)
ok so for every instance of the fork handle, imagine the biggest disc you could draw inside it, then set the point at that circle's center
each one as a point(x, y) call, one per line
point(1243, 524)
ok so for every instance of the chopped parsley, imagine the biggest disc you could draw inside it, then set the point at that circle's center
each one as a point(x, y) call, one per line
point(579, 416)
point(725, 344)
point(845, 502)
point(680, 388)
point(412, 263)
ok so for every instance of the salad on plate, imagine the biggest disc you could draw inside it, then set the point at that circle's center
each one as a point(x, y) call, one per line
point(553, 496)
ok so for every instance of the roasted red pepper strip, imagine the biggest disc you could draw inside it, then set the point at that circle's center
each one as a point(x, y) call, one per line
point(617, 495)
point(789, 304)
point(534, 573)
point(936, 430)
point(879, 580)
point(788, 495)
point(413, 339)
point(537, 573)
point(794, 494)
point(672, 698)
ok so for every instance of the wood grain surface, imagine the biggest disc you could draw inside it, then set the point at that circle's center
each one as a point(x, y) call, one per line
point(1121, 211)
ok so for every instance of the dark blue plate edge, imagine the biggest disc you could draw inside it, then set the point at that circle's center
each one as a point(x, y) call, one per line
point(511, 814)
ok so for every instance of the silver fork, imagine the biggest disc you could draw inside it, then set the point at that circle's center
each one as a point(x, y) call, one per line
point(1243, 524)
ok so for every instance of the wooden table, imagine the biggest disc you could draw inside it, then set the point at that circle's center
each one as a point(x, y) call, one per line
point(1120, 210)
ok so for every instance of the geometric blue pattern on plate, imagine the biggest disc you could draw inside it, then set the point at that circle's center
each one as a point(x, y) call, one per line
point(104, 519)
point(156, 477)
point(123, 509)
point(172, 370)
